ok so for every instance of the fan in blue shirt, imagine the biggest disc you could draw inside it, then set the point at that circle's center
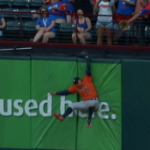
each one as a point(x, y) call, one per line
point(58, 10)
point(126, 7)
point(45, 26)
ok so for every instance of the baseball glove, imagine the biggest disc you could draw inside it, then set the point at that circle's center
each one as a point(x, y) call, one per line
point(123, 25)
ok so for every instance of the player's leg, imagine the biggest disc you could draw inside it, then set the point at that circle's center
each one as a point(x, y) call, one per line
point(91, 110)
point(92, 104)
point(62, 117)
point(72, 106)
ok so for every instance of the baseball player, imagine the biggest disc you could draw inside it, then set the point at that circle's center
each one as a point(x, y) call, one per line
point(85, 88)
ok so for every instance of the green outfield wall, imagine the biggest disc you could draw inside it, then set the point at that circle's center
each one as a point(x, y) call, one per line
point(26, 107)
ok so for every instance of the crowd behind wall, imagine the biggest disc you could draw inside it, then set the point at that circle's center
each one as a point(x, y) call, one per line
point(111, 11)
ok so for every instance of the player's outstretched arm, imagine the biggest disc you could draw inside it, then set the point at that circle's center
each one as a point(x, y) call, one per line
point(88, 72)
point(65, 92)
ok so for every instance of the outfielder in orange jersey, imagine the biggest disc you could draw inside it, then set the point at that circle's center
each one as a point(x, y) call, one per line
point(85, 88)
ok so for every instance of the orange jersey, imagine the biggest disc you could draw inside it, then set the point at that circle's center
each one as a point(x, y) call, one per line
point(87, 90)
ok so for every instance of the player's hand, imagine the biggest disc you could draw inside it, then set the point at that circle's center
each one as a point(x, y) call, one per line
point(86, 56)
point(53, 93)
point(97, 1)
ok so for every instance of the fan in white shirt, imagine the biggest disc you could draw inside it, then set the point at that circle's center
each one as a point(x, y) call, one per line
point(104, 20)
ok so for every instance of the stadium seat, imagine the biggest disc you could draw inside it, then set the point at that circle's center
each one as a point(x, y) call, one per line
point(65, 32)
point(12, 29)
point(21, 3)
point(36, 3)
point(29, 29)
point(5, 2)
point(27, 15)
point(10, 15)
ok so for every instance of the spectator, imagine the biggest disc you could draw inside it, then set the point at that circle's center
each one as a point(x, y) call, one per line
point(45, 26)
point(60, 9)
point(144, 12)
point(104, 23)
point(125, 10)
point(83, 28)
point(70, 10)
point(2, 25)
point(142, 8)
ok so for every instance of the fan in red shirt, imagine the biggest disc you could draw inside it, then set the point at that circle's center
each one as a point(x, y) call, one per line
point(85, 88)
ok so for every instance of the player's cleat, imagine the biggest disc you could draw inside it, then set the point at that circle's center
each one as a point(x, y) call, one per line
point(58, 117)
point(89, 124)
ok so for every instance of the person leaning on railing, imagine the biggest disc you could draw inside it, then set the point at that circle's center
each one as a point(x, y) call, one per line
point(144, 12)
point(104, 20)
point(2, 24)
point(141, 23)
point(83, 30)
point(45, 26)
point(125, 10)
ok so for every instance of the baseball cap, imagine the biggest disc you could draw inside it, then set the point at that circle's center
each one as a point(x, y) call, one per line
point(75, 80)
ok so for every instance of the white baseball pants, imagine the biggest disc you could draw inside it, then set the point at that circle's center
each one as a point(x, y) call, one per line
point(84, 105)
